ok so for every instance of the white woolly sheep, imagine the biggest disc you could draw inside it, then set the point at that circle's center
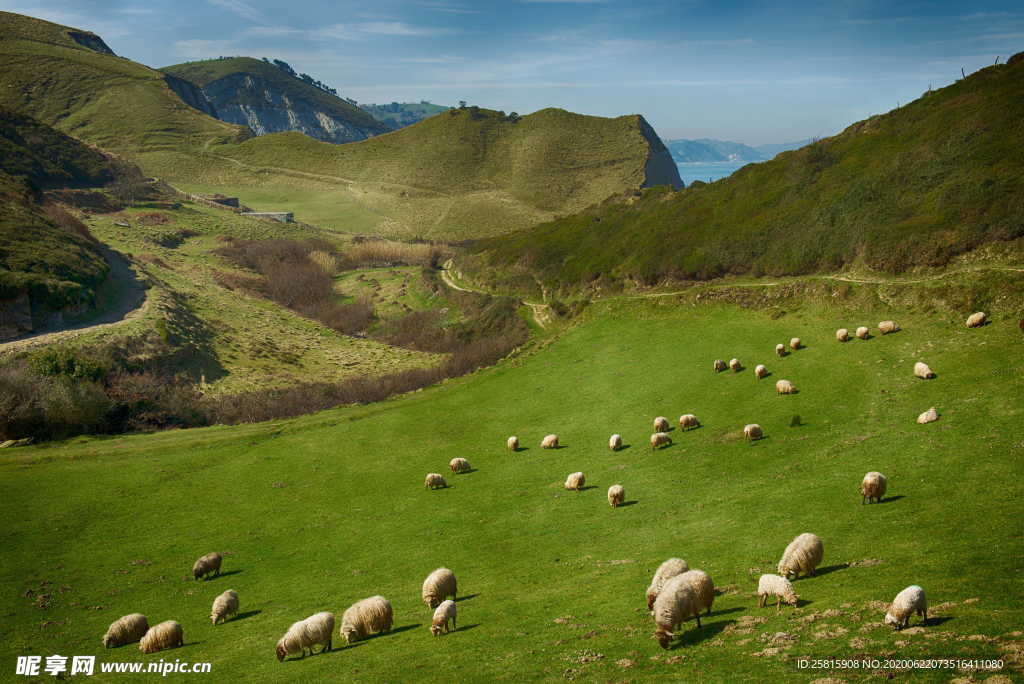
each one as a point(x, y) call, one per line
point(160, 637)
point(660, 439)
point(784, 387)
point(843, 335)
point(872, 487)
point(774, 586)
point(512, 443)
point(661, 424)
point(760, 371)
point(976, 319)
point(676, 603)
point(929, 416)
point(575, 481)
point(458, 465)
point(863, 333)
point(665, 572)
point(719, 365)
point(803, 555)
point(688, 421)
point(615, 442)
point(317, 629)
point(616, 495)
point(126, 630)
point(886, 327)
point(794, 343)
point(780, 349)
point(207, 564)
point(434, 481)
point(366, 617)
point(909, 601)
point(444, 614)
point(224, 607)
point(549, 442)
point(703, 588)
point(922, 371)
point(753, 431)
point(735, 365)
point(439, 585)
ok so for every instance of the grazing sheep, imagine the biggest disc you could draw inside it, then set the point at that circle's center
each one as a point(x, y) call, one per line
point(862, 333)
point(660, 439)
point(366, 617)
point(843, 335)
point(735, 365)
point(434, 481)
point(780, 349)
point(512, 443)
point(225, 607)
point(778, 587)
point(676, 603)
point(665, 572)
point(207, 564)
point(922, 371)
point(444, 614)
point(458, 465)
point(909, 601)
point(803, 555)
point(126, 630)
point(438, 586)
point(615, 442)
point(753, 431)
point(661, 424)
point(160, 637)
point(575, 481)
point(687, 421)
point(886, 327)
point(872, 487)
point(305, 634)
point(794, 343)
point(719, 365)
point(929, 416)
point(703, 588)
point(549, 442)
point(784, 387)
point(760, 371)
point(976, 319)
point(616, 495)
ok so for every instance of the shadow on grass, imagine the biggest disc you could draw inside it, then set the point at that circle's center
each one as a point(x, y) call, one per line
point(588, 487)
point(734, 609)
point(223, 574)
point(342, 646)
point(246, 614)
point(624, 447)
point(937, 620)
point(518, 449)
point(694, 635)
point(396, 630)
point(892, 498)
point(827, 570)
point(466, 472)
point(467, 597)
point(466, 628)
point(628, 503)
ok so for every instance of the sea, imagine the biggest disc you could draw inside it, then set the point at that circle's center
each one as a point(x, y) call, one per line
point(707, 171)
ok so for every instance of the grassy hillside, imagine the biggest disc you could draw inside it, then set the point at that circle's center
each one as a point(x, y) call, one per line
point(316, 513)
point(912, 187)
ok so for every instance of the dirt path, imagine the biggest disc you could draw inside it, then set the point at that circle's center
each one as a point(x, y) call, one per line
point(541, 312)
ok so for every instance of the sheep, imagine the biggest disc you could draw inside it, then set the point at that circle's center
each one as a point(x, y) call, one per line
point(459, 465)
point(616, 495)
point(929, 416)
point(439, 585)
point(444, 614)
point(615, 442)
point(665, 572)
point(512, 443)
point(780, 349)
point(366, 617)
point(922, 371)
point(306, 634)
point(719, 365)
point(843, 335)
point(660, 439)
point(224, 607)
point(784, 387)
point(778, 587)
point(434, 481)
point(549, 442)
point(794, 343)
point(753, 431)
point(976, 319)
point(735, 366)
point(575, 481)
point(126, 630)
point(909, 601)
point(760, 371)
point(661, 424)
point(863, 333)
point(886, 327)
point(207, 564)
point(160, 637)
point(802, 555)
point(687, 421)
point(872, 487)
point(703, 588)
point(676, 603)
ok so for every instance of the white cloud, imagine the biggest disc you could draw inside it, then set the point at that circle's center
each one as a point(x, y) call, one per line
point(399, 28)
point(241, 8)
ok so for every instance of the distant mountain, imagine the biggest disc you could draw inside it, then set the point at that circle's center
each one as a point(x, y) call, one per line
point(401, 114)
point(771, 149)
point(708, 150)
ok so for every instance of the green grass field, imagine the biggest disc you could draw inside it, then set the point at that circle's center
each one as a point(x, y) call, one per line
point(318, 512)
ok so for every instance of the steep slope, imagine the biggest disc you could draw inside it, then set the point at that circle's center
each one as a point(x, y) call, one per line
point(913, 187)
point(253, 93)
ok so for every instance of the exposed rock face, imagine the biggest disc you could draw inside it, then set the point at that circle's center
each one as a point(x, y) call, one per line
point(191, 94)
point(660, 169)
point(91, 41)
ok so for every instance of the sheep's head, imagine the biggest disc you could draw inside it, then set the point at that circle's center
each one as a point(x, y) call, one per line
point(890, 619)
point(792, 599)
point(281, 652)
point(349, 633)
point(664, 638)
point(435, 629)
point(106, 640)
point(213, 618)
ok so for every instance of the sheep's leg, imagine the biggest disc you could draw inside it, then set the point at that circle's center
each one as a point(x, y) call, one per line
point(760, 600)
point(778, 603)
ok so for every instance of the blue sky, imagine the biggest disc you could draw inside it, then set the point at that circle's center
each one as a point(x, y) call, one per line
point(753, 72)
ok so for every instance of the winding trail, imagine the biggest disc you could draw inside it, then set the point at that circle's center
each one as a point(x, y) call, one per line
point(541, 312)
